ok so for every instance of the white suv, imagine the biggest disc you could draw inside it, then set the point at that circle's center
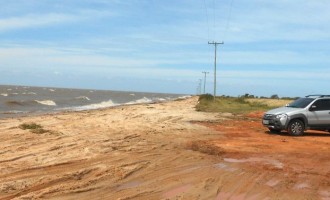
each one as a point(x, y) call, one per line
point(311, 112)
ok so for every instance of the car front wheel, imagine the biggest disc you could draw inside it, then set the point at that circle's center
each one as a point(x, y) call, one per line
point(296, 127)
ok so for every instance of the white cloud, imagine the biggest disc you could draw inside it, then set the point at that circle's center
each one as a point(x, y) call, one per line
point(256, 21)
point(33, 20)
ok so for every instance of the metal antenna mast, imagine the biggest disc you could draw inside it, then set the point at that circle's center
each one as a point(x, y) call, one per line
point(205, 80)
point(215, 65)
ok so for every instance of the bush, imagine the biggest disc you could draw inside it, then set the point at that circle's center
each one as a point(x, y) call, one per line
point(29, 126)
point(207, 97)
point(33, 127)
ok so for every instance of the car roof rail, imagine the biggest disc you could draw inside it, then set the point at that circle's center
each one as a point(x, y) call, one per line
point(317, 95)
point(314, 95)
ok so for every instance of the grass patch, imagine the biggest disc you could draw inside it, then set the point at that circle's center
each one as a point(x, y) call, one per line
point(33, 127)
point(234, 105)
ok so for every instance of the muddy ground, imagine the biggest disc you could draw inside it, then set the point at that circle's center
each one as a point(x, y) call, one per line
point(160, 151)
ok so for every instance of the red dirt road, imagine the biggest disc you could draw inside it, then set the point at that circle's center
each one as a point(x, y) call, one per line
point(296, 166)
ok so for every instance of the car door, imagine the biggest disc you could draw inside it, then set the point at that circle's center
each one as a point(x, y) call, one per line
point(319, 113)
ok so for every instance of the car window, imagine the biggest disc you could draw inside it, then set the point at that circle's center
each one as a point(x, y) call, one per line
point(322, 104)
point(301, 103)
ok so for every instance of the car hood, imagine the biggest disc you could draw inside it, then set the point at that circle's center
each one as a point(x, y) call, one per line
point(281, 110)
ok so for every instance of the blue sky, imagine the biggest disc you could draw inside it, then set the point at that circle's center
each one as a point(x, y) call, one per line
point(271, 47)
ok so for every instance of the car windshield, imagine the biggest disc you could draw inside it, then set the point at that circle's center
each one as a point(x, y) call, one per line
point(301, 103)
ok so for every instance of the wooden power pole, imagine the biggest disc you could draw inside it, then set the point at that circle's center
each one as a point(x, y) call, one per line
point(205, 79)
point(215, 65)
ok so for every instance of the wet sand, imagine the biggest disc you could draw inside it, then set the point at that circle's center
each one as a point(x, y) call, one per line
point(159, 151)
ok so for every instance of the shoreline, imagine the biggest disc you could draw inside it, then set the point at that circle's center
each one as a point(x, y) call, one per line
point(74, 109)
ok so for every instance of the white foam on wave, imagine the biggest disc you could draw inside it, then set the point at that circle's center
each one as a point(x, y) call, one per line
point(4, 94)
point(104, 104)
point(184, 97)
point(52, 90)
point(83, 97)
point(32, 93)
point(139, 101)
point(46, 102)
point(14, 112)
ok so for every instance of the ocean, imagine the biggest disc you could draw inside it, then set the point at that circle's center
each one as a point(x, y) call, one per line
point(23, 100)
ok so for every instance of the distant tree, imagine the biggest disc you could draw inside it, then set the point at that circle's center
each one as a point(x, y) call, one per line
point(274, 96)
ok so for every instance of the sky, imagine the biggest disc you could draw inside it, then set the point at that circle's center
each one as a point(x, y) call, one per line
point(270, 47)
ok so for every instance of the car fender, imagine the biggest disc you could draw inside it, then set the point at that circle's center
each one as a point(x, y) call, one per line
point(297, 116)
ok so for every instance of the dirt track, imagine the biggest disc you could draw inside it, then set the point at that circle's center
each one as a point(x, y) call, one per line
point(160, 151)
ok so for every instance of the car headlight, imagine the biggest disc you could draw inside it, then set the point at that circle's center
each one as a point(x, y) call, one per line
point(281, 116)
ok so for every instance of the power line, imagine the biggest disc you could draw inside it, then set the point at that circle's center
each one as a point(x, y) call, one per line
point(214, 19)
point(207, 18)
point(229, 17)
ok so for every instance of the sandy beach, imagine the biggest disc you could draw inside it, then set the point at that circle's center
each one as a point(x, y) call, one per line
point(159, 151)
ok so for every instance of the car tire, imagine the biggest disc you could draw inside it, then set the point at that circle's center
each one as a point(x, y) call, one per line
point(272, 130)
point(296, 127)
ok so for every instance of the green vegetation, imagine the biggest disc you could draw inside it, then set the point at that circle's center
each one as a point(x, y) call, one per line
point(33, 127)
point(237, 105)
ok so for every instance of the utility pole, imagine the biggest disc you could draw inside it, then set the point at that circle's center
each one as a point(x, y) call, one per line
point(200, 86)
point(215, 65)
point(205, 79)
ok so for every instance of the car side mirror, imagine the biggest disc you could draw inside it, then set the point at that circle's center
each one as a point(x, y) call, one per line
point(312, 108)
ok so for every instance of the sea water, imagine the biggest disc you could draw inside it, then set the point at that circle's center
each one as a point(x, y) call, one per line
point(24, 100)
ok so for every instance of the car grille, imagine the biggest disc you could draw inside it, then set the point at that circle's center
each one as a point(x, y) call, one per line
point(269, 116)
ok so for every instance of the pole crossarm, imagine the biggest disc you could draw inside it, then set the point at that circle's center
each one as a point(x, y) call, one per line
point(215, 65)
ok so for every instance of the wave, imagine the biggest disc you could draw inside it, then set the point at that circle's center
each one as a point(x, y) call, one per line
point(140, 101)
point(14, 112)
point(4, 94)
point(83, 97)
point(30, 103)
point(46, 102)
point(104, 104)
point(15, 103)
point(184, 97)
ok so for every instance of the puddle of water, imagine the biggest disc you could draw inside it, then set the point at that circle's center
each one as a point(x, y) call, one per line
point(232, 160)
point(300, 186)
point(275, 163)
point(272, 182)
point(225, 167)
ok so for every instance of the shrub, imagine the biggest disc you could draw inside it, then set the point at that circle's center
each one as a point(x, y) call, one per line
point(207, 97)
point(29, 126)
point(33, 127)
